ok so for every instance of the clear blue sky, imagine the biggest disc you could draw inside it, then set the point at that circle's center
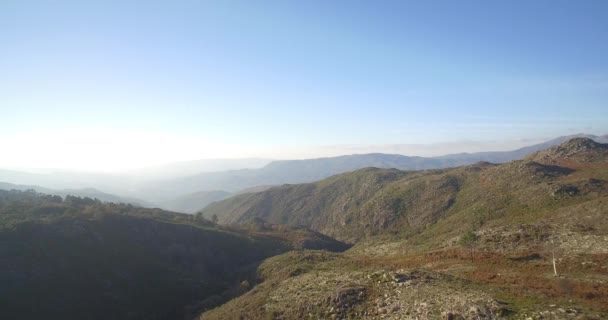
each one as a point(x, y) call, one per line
point(248, 74)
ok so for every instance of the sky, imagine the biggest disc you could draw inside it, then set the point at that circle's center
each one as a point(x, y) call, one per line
point(108, 85)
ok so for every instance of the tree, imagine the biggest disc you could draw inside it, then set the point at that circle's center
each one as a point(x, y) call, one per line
point(469, 240)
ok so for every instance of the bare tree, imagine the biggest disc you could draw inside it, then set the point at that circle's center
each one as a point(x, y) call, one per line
point(553, 257)
point(552, 247)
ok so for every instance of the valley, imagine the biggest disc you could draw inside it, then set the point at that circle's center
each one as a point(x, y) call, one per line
point(470, 242)
point(303, 160)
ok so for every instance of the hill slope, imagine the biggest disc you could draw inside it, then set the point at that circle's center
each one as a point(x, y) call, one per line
point(475, 242)
point(80, 258)
point(372, 201)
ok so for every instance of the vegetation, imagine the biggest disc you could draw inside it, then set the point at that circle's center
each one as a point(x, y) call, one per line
point(79, 258)
point(464, 242)
point(469, 242)
point(431, 205)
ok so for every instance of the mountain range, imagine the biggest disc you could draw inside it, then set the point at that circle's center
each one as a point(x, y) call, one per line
point(366, 202)
point(299, 171)
point(471, 242)
point(181, 193)
point(517, 240)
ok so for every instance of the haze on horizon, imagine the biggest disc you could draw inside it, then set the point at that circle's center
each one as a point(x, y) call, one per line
point(115, 85)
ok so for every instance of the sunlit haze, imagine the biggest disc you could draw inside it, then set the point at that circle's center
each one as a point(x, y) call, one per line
point(117, 85)
point(303, 159)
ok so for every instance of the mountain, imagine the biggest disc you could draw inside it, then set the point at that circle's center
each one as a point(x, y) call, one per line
point(300, 171)
point(155, 187)
point(193, 202)
point(367, 202)
point(255, 189)
point(188, 168)
point(319, 205)
point(506, 156)
point(79, 258)
point(518, 240)
point(85, 192)
point(574, 151)
point(526, 239)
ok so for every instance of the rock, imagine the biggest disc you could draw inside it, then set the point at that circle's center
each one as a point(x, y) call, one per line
point(499, 308)
point(346, 297)
point(474, 310)
point(345, 293)
point(400, 277)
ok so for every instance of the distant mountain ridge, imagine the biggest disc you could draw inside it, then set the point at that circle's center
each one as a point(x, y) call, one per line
point(160, 191)
point(309, 170)
point(505, 156)
point(193, 202)
point(188, 168)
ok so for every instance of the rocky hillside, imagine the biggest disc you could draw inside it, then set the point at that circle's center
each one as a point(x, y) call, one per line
point(521, 240)
point(322, 206)
point(80, 258)
point(573, 152)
